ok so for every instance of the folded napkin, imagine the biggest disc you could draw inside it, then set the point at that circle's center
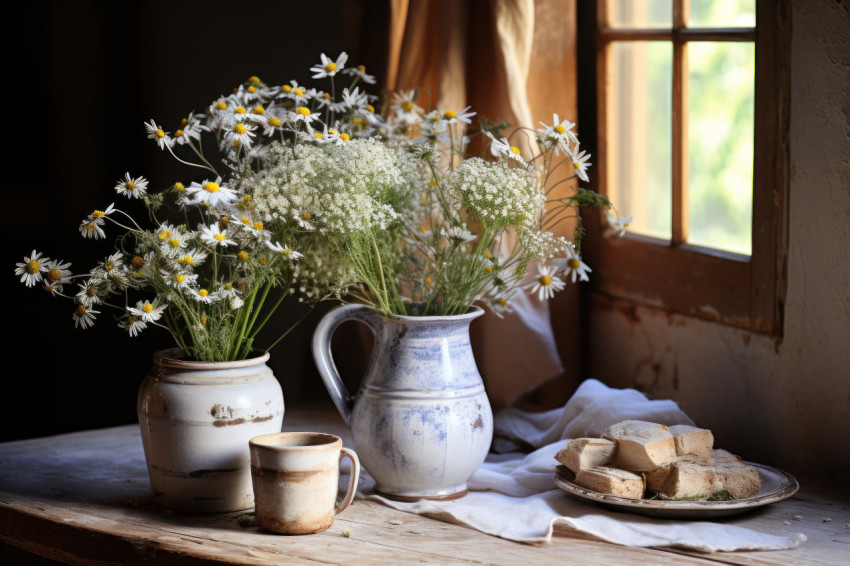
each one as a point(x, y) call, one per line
point(513, 495)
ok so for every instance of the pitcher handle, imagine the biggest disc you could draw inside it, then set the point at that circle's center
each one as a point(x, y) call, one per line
point(324, 360)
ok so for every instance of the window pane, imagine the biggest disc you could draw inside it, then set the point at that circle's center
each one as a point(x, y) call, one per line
point(639, 135)
point(722, 13)
point(720, 144)
point(641, 13)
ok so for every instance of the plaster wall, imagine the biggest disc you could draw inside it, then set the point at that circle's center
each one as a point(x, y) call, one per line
point(785, 404)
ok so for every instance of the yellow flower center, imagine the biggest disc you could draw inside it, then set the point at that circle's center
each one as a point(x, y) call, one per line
point(203, 321)
point(137, 262)
point(559, 128)
point(211, 187)
point(240, 110)
point(183, 122)
point(180, 278)
point(515, 150)
point(147, 307)
point(252, 88)
point(245, 221)
point(262, 261)
point(318, 135)
point(432, 183)
point(108, 266)
point(243, 255)
point(303, 110)
point(422, 230)
point(164, 235)
point(130, 185)
point(344, 137)
point(240, 129)
point(286, 251)
point(286, 88)
point(305, 216)
point(258, 225)
point(180, 187)
point(450, 115)
point(357, 121)
point(178, 133)
point(370, 108)
point(330, 67)
point(159, 134)
point(174, 243)
point(488, 255)
point(576, 165)
point(273, 121)
point(489, 269)
point(326, 95)
point(258, 109)
point(187, 260)
point(407, 106)
point(80, 310)
point(545, 280)
point(223, 220)
point(203, 293)
point(502, 301)
point(219, 237)
point(222, 105)
point(97, 214)
point(361, 68)
point(333, 132)
point(54, 275)
point(254, 79)
point(573, 263)
point(90, 226)
point(236, 143)
point(428, 281)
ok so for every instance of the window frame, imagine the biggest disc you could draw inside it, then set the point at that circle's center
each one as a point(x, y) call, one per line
point(712, 284)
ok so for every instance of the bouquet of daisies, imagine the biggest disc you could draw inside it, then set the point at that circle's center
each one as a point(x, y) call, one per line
point(326, 196)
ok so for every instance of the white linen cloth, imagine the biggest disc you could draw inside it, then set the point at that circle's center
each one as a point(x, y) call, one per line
point(513, 495)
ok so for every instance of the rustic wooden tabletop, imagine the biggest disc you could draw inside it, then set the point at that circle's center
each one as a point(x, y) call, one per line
point(84, 498)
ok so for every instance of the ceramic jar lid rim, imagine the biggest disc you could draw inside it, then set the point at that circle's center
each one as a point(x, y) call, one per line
point(173, 358)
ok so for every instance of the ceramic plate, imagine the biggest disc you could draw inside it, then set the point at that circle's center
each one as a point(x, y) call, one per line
point(776, 485)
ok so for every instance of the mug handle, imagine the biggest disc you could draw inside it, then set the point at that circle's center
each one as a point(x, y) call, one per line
point(324, 360)
point(353, 479)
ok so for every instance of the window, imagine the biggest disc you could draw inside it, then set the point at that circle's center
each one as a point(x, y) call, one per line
point(691, 126)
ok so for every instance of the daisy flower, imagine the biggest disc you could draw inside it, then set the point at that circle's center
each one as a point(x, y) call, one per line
point(303, 220)
point(575, 267)
point(405, 108)
point(241, 133)
point(155, 132)
point(31, 269)
point(215, 236)
point(203, 296)
point(91, 226)
point(226, 291)
point(580, 164)
point(84, 317)
point(503, 148)
point(458, 234)
point(286, 251)
point(57, 275)
point(546, 283)
point(451, 117)
point(618, 224)
point(329, 67)
point(212, 192)
point(559, 131)
point(90, 292)
point(147, 311)
point(302, 114)
point(132, 324)
point(360, 72)
point(192, 258)
point(132, 187)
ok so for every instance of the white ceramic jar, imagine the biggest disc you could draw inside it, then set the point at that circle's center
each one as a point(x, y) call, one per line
point(196, 419)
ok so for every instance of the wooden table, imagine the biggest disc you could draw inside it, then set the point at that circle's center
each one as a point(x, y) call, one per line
point(84, 498)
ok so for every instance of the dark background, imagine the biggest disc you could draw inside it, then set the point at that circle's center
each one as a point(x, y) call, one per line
point(81, 79)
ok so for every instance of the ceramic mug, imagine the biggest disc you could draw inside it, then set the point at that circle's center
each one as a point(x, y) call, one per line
point(296, 480)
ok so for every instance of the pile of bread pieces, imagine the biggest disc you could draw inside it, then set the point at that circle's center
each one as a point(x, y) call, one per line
point(677, 462)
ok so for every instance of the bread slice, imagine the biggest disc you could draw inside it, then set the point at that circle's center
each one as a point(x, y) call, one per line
point(612, 481)
point(692, 440)
point(584, 453)
point(641, 446)
point(693, 477)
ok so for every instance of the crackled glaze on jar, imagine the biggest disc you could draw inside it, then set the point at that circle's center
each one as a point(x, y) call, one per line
point(196, 419)
point(421, 421)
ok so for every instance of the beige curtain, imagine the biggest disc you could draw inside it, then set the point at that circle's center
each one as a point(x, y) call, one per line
point(511, 60)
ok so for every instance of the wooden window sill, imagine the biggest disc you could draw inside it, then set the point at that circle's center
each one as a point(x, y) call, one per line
point(84, 498)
